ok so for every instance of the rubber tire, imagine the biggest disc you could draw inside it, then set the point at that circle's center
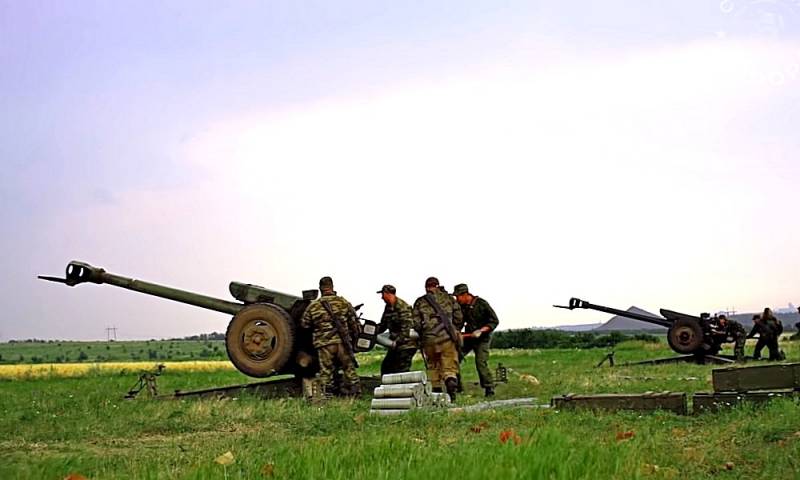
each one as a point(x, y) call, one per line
point(283, 325)
point(696, 341)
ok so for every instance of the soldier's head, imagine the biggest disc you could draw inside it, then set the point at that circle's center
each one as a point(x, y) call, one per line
point(756, 318)
point(326, 285)
point(723, 320)
point(461, 291)
point(767, 313)
point(431, 284)
point(389, 294)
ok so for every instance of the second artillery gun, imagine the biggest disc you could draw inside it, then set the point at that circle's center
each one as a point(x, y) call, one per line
point(263, 337)
point(696, 338)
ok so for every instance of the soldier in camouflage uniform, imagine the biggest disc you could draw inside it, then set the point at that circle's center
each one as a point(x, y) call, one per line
point(479, 323)
point(334, 345)
point(398, 318)
point(773, 322)
point(736, 332)
point(766, 338)
point(440, 336)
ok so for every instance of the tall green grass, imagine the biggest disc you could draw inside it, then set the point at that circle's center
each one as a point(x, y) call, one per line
point(50, 427)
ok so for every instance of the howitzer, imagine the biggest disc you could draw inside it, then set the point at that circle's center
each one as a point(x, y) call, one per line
point(687, 334)
point(263, 338)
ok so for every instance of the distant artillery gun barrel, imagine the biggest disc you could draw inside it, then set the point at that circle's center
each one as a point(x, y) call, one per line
point(262, 339)
point(686, 334)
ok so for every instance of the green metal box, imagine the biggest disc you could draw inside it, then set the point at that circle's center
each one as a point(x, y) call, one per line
point(714, 401)
point(762, 377)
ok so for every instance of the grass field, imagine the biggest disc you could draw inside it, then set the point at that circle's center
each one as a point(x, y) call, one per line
point(135, 351)
point(53, 425)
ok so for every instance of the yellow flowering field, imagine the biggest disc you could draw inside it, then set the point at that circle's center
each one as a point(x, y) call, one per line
point(80, 369)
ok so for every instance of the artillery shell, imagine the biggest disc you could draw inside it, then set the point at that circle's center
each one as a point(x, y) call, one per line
point(404, 377)
point(393, 403)
point(387, 412)
point(399, 390)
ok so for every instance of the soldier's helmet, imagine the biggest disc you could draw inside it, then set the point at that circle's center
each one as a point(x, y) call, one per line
point(326, 283)
point(431, 282)
point(387, 289)
point(460, 289)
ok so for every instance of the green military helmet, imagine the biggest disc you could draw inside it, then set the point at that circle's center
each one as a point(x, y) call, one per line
point(460, 289)
point(387, 289)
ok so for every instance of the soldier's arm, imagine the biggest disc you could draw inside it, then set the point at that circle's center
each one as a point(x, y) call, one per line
point(417, 317)
point(352, 319)
point(491, 316)
point(383, 325)
point(753, 331)
point(458, 315)
point(405, 318)
point(306, 321)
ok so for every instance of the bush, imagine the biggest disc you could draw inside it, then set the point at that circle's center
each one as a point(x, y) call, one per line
point(82, 356)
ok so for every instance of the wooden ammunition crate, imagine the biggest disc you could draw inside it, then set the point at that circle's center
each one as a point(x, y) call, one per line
point(713, 401)
point(762, 377)
point(672, 401)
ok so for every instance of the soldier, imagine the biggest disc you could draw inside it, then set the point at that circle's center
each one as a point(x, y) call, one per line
point(335, 329)
point(438, 320)
point(766, 338)
point(777, 328)
point(736, 332)
point(479, 323)
point(398, 318)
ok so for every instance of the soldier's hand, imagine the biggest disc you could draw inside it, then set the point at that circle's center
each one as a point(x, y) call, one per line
point(477, 333)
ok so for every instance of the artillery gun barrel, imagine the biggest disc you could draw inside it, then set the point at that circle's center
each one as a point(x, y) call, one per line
point(81, 272)
point(578, 303)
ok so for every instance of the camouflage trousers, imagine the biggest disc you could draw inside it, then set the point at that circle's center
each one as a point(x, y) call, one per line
point(442, 360)
point(397, 361)
point(738, 348)
point(332, 357)
point(772, 344)
point(481, 348)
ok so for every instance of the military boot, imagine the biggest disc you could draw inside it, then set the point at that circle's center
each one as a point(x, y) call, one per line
point(452, 385)
point(489, 391)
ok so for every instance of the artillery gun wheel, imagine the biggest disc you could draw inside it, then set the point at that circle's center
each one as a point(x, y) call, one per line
point(260, 339)
point(685, 336)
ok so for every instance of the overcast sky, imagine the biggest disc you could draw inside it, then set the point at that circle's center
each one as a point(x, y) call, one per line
point(631, 153)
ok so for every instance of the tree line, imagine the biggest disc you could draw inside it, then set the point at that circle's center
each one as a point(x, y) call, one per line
point(537, 338)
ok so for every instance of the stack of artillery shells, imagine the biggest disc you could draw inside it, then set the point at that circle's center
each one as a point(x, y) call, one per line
point(401, 392)
point(404, 377)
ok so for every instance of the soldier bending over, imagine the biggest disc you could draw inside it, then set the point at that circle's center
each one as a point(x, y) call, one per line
point(398, 318)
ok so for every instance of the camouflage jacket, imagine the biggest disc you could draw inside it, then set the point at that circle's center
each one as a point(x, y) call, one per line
point(399, 320)
point(323, 328)
point(764, 331)
point(479, 314)
point(431, 329)
point(735, 329)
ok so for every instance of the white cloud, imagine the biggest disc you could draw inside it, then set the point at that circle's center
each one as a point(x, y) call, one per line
point(628, 179)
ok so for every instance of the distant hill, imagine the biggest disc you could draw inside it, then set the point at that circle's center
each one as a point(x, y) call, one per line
point(623, 324)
